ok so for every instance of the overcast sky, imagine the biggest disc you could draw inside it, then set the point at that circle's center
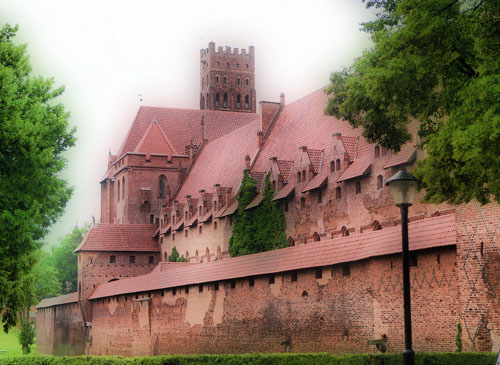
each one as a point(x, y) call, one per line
point(107, 52)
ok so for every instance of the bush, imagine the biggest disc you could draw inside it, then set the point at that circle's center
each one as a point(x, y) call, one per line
point(262, 359)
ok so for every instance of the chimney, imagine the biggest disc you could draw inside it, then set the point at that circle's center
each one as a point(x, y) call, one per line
point(267, 112)
point(303, 148)
point(191, 150)
point(247, 162)
point(282, 99)
point(260, 135)
point(203, 129)
point(338, 135)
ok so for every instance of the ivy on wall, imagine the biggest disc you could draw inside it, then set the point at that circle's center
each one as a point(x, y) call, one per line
point(261, 228)
point(174, 256)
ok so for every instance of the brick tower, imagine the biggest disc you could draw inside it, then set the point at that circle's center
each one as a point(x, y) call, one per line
point(227, 79)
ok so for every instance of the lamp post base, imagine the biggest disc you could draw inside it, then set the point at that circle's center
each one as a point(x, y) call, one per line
point(408, 357)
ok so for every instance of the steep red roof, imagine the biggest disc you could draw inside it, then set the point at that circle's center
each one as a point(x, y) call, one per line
point(120, 237)
point(285, 192)
point(155, 141)
point(207, 216)
point(183, 125)
point(423, 234)
point(317, 181)
point(351, 146)
point(407, 154)
point(256, 201)
point(285, 168)
point(358, 168)
point(231, 209)
point(316, 157)
point(258, 177)
point(221, 161)
point(62, 299)
point(302, 123)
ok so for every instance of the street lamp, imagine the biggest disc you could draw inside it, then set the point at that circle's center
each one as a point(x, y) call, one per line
point(403, 187)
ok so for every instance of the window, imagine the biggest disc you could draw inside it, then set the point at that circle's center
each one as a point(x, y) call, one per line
point(319, 273)
point(233, 284)
point(238, 81)
point(187, 289)
point(377, 151)
point(174, 291)
point(346, 270)
point(151, 218)
point(294, 275)
point(225, 80)
point(186, 233)
point(118, 190)
point(303, 175)
point(216, 286)
point(251, 282)
point(112, 259)
point(299, 176)
point(161, 188)
point(200, 288)
point(344, 231)
point(337, 164)
point(216, 79)
point(225, 100)
point(338, 193)
point(217, 99)
point(246, 66)
point(332, 166)
point(247, 81)
point(358, 187)
point(132, 259)
point(200, 230)
point(320, 196)
point(237, 65)
point(285, 205)
point(123, 187)
point(165, 257)
point(173, 236)
point(151, 260)
point(273, 185)
point(380, 182)
point(291, 242)
point(247, 101)
point(238, 99)
point(316, 237)
point(271, 279)
point(215, 225)
point(227, 64)
point(217, 63)
point(302, 203)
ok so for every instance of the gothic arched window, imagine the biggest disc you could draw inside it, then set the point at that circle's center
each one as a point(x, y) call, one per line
point(247, 101)
point(225, 99)
point(161, 187)
point(337, 164)
point(217, 99)
point(238, 101)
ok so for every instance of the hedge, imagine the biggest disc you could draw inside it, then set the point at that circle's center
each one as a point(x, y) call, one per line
point(261, 359)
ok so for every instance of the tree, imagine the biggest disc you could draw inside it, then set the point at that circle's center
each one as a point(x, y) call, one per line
point(34, 134)
point(174, 256)
point(438, 62)
point(259, 229)
point(46, 281)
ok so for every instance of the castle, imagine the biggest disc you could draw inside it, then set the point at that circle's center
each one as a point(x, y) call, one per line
point(174, 183)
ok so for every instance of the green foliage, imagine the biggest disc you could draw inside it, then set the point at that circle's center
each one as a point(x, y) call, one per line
point(262, 359)
point(436, 61)
point(26, 336)
point(458, 337)
point(259, 229)
point(33, 135)
point(174, 256)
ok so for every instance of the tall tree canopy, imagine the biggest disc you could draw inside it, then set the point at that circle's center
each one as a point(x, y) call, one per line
point(33, 135)
point(436, 61)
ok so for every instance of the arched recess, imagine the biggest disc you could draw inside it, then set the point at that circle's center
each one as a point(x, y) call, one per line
point(187, 255)
point(118, 190)
point(376, 226)
point(207, 254)
point(165, 257)
point(146, 207)
point(344, 231)
point(219, 254)
point(291, 242)
point(196, 256)
point(316, 237)
point(162, 186)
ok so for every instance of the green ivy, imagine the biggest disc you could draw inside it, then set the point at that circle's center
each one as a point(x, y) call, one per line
point(259, 229)
point(174, 256)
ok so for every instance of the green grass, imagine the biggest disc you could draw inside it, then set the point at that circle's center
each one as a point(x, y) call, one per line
point(10, 344)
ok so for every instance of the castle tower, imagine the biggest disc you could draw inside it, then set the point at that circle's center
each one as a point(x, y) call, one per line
point(227, 79)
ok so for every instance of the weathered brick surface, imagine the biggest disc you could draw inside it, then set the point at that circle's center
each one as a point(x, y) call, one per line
point(60, 330)
point(334, 313)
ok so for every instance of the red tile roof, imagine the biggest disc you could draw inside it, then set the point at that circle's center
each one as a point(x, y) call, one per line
point(358, 168)
point(285, 192)
point(259, 178)
point(351, 146)
point(62, 299)
point(317, 181)
point(221, 161)
point(423, 234)
point(316, 158)
point(178, 225)
point(184, 125)
point(207, 216)
point(120, 237)
point(302, 123)
point(285, 168)
point(407, 154)
point(192, 221)
point(256, 201)
point(154, 140)
point(166, 229)
point(231, 209)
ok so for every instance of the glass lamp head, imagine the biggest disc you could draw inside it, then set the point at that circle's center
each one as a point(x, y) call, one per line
point(403, 187)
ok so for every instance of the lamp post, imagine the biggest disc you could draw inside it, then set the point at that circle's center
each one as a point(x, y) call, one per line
point(403, 187)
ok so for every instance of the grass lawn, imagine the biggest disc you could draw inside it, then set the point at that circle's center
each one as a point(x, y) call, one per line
point(9, 345)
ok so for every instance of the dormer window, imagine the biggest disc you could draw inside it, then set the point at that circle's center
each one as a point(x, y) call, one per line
point(303, 175)
point(338, 193)
point(332, 166)
point(380, 182)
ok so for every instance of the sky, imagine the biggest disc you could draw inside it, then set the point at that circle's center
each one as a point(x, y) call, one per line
point(106, 53)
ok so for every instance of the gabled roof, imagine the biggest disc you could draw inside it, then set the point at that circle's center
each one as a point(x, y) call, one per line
point(207, 216)
point(316, 157)
point(166, 229)
point(61, 299)
point(317, 181)
point(351, 146)
point(231, 209)
point(120, 237)
point(256, 201)
point(407, 154)
point(285, 168)
point(184, 125)
point(423, 234)
point(178, 225)
point(192, 221)
point(258, 177)
point(155, 141)
point(221, 162)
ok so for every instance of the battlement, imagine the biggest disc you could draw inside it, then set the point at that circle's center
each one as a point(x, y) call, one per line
point(223, 51)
